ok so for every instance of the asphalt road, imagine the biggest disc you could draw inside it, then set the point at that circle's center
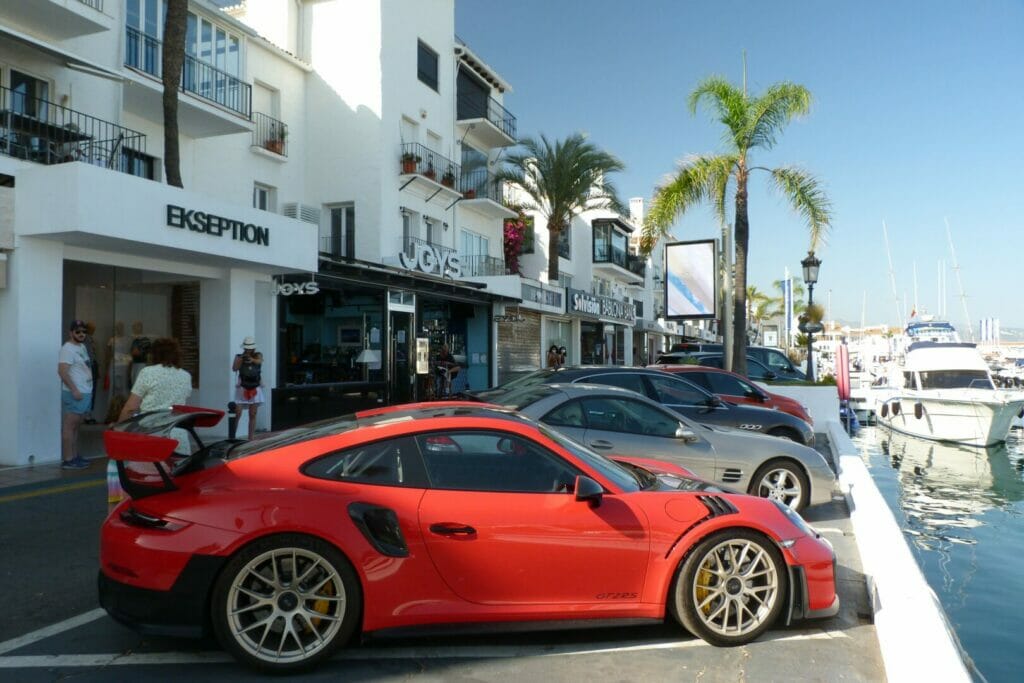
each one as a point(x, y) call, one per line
point(53, 629)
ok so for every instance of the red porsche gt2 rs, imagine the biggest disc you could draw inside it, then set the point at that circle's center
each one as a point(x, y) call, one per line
point(429, 514)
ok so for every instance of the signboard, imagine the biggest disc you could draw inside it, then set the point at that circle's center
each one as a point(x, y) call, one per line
point(218, 226)
point(300, 288)
point(691, 289)
point(770, 335)
point(510, 318)
point(596, 306)
point(432, 260)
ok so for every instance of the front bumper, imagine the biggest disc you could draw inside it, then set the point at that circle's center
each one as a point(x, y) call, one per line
point(182, 611)
point(812, 580)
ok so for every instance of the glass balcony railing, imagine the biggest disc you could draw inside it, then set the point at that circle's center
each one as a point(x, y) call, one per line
point(44, 132)
point(483, 266)
point(475, 106)
point(145, 53)
point(606, 252)
point(636, 265)
point(539, 295)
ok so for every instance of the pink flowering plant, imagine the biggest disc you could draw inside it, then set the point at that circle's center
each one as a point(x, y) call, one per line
point(515, 232)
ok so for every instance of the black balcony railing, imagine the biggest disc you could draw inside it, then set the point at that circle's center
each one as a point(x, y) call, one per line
point(416, 158)
point(270, 134)
point(47, 133)
point(483, 266)
point(410, 246)
point(95, 4)
point(482, 185)
point(473, 106)
point(144, 53)
point(638, 308)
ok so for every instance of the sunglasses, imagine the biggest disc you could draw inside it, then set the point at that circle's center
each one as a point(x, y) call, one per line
point(80, 331)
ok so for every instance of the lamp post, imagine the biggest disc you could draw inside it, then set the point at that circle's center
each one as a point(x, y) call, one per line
point(810, 265)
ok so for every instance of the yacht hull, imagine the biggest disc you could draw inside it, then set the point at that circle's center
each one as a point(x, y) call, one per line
point(972, 420)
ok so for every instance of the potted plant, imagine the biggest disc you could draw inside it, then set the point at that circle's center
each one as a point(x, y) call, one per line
point(409, 162)
point(448, 179)
point(430, 170)
point(275, 142)
point(469, 194)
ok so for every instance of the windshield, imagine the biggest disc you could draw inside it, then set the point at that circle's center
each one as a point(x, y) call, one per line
point(613, 471)
point(955, 379)
point(530, 380)
point(517, 399)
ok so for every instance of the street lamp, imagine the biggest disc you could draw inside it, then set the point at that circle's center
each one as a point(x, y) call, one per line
point(811, 265)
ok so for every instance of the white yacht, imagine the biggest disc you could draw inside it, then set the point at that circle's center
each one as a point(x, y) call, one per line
point(940, 388)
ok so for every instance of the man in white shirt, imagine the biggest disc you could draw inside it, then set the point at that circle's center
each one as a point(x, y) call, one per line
point(75, 370)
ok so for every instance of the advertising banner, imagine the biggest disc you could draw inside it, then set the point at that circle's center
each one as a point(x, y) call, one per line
point(691, 289)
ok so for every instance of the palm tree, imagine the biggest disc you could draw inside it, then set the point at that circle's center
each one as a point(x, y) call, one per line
point(751, 123)
point(173, 59)
point(761, 306)
point(560, 180)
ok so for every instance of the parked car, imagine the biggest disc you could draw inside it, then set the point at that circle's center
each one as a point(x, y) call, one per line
point(771, 358)
point(427, 514)
point(736, 388)
point(614, 420)
point(687, 398)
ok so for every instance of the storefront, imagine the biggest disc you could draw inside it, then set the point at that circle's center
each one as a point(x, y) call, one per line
point(359, 335)
point(605, 328)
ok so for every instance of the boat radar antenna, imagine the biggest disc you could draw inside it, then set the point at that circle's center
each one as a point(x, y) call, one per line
point(892, 274)
point(959, 282)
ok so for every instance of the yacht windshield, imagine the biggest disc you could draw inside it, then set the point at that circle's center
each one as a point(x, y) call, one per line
point(955, 379)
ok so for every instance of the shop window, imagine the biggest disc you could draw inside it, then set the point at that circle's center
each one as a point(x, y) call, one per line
point(427, 65)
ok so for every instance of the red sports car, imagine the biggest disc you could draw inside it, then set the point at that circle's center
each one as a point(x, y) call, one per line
point(429, 514)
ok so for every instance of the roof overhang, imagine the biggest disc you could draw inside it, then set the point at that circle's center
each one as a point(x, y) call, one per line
point(481, 69)
point(61, 55)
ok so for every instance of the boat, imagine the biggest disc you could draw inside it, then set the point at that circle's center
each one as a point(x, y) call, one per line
point(940, 388)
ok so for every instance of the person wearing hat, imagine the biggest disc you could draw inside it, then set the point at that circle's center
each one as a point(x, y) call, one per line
point(249, 387)
point(75, 370)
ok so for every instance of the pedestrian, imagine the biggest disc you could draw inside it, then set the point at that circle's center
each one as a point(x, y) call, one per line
point(249, 388)
point(554, 357)
point(94, 365)
point(161, 385)
point(447, 369)
point(561, 356)
point(75, 372)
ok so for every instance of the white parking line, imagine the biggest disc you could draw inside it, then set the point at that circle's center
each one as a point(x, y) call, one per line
point(52, 630)
point(386, 653)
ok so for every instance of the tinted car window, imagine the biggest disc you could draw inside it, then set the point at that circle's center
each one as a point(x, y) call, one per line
point(710, 361)
point(778, 361)
point(492, 461)
point(674, 391)
point(699, 378)
point(567, 415)
point(727, 384)
point(392, 462)
point(756, 370)
point(623, 380)
point(629, 416)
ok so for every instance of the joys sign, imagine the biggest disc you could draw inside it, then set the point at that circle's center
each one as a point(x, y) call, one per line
point(432, 260)
point(289, 288)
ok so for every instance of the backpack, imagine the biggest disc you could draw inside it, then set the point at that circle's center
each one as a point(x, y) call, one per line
point(249, 375)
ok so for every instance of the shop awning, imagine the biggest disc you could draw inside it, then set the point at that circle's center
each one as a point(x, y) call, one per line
point(61, 55)
point(367, 273)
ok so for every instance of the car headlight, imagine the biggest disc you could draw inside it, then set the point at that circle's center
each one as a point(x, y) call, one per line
point(797, 521)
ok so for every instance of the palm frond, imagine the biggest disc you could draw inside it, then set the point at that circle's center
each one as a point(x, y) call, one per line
point(807, 198)
point(772, 111)
point(729, 102)
point(698, 178)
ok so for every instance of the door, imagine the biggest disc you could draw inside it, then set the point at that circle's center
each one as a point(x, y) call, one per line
point(502, 529)
point(401, 361)
point(625, 426)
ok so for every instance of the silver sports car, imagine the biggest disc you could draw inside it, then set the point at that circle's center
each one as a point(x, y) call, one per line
point(622, 422)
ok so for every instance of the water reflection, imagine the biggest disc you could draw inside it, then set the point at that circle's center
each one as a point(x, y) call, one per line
point(946, 488)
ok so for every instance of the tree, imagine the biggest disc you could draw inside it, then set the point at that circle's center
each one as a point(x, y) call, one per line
point(172, 60)
point(762, 306)
point(751, 123)
point(560, 180)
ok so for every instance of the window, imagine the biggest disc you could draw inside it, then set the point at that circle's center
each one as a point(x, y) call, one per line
point(672, 391)
point(565, 242)
point(492, 461)
point(263, 197)
point(628, 416)
point(730, 386)
point(567, 415)
point(394, 462)
point(339, 240)
point(426, 65)
point(29, 95)
point(756, 370)
point(473, 244)
point(138, 164)
point(623, 380)
point(699, 378)
point(778, 361)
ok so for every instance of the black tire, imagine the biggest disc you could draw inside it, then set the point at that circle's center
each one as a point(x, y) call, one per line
point(328, 587)
point(727, 574)
point(783, 480)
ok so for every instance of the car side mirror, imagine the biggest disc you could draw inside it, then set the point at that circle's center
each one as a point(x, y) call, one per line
point(686, 434)
point(588, 490)
point(714, 401)
point(770, 375)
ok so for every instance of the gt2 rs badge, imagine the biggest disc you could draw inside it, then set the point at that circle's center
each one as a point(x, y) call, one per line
point(616, 596)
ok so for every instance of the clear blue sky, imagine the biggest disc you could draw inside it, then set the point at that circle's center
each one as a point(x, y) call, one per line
point(918, 117)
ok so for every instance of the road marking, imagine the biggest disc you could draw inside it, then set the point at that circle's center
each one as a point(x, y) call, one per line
point(388, 653)
point(52, 630)
point(53, 489)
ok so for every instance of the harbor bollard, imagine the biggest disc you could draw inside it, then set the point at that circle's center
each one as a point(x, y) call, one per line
point(233, 415)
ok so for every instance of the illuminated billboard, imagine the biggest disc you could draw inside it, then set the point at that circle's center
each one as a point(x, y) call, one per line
point(690, 280)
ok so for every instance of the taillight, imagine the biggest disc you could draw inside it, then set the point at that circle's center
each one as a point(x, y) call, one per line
point(133, 517)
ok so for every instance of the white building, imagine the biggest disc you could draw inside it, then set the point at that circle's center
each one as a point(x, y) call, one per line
point(294, 119)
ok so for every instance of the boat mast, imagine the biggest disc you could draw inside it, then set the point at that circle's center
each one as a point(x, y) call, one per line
point(959, 282)
point(892, 274)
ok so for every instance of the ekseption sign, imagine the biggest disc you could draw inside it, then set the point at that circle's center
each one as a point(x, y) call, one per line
point(691, 272)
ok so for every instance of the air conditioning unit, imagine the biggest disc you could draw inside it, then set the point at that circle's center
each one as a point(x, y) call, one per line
point(307, 214)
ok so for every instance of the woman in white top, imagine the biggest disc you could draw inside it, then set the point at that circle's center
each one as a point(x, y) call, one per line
point(161, 385)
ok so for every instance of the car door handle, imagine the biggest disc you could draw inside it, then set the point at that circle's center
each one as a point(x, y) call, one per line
point(452, 529)
point(603, 445)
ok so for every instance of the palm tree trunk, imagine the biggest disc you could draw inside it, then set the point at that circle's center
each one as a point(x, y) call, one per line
point(739, 319)
point(554, 231)
point(173, 58)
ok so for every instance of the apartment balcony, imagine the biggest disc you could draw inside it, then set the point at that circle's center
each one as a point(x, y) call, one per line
point(428, 174)
point(217, 103)
point(637, 265)
point(615, 262)
point(58, 19)
point(44, 132)
point(482, 193)
point(483, 122)
point(270, 135)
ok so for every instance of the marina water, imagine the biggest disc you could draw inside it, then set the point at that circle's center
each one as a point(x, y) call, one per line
point(961, 510)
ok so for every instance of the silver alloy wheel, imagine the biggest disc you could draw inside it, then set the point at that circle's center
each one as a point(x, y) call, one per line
point(285, 605)
point(781, 484)
point(735, 587)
